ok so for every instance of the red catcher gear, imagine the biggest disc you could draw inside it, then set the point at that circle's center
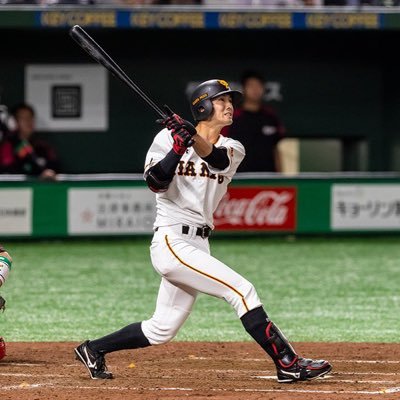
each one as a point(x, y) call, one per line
point(2, 348)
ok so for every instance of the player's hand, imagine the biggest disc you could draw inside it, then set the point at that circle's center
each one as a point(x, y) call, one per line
point(171, 119)
point(174, 123)
point(182, 140)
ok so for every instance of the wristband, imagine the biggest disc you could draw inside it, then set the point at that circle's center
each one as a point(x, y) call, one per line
point(6, 261)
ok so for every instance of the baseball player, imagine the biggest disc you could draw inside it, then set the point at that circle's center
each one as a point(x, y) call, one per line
point(190, 168)
point(5, 267)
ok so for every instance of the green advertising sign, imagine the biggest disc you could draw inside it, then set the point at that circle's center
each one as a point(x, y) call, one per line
point(127, 207)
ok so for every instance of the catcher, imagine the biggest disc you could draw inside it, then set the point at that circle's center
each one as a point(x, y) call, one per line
point(5, 267)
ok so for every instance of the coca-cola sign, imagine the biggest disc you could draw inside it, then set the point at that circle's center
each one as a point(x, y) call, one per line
point(257, 208)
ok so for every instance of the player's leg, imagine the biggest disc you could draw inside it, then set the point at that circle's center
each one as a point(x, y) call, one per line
point(196, 267)
point(174, 304)
point(5, 267)
point(188, 263)
point(290, 366)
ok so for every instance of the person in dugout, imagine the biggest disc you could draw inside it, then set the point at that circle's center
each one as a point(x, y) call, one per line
point(22, 152)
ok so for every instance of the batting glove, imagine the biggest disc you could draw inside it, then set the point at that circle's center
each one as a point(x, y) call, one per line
point(176, 123)
point(182, 140)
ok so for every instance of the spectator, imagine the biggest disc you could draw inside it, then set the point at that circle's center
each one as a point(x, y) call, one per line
point(177, 2)
point(149, 2)
point(257, 126)
point(21, 152)
point(49, 2)
point(126, 2)
point(256, 3)
point(66, 2)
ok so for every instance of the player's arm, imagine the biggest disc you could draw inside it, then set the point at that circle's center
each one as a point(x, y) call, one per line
point(216, 157)
point(160, 175)
point(5, 264)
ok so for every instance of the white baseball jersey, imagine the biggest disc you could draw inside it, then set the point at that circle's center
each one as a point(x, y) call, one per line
point(183, 259)
point(197, 188)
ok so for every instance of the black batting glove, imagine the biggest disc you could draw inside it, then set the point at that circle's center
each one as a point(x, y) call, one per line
point(174, 123)
point(171, 119)
point(182, 140)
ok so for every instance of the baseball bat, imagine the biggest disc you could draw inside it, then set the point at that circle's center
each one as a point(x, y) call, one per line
point(91, 47)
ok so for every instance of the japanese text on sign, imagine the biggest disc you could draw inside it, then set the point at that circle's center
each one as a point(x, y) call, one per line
point(365, 206)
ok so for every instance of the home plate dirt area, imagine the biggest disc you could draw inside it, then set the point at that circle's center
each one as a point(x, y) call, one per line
point(37, 371)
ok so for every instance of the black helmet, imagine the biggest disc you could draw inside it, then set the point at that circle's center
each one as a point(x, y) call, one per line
point(200, 100)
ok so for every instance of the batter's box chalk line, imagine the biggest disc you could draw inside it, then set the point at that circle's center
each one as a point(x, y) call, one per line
point(25, 386)
point(265, 359)
point(391, 390)
point(332, 378)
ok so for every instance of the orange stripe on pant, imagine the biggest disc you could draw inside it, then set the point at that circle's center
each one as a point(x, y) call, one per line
point(205, 274)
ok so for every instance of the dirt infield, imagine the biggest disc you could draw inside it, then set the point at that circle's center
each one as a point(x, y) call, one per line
point(37, 371)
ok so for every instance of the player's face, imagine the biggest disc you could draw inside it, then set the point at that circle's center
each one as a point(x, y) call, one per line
point(223, 110)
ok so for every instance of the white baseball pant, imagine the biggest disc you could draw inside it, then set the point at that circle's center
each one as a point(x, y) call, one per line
point(187, 268)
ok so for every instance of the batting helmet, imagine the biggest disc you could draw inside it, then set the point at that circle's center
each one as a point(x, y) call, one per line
point(200, 101)
point(2, 348)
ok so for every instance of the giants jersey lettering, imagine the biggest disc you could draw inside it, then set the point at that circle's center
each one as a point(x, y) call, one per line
point(197, 188)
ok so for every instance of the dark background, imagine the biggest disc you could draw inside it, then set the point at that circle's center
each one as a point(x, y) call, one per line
point(335, 84)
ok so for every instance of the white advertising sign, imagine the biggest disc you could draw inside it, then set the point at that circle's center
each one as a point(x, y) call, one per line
point(365, 207)
point(68, 97)
point(15, 212)
point(110, 211)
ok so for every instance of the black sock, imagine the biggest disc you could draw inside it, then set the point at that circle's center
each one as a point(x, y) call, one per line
point(269, 337)
point(255, 322)
point(130, 337)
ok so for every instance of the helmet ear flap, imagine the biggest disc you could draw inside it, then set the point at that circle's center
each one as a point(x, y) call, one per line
point(201, 110)
point(204, 110)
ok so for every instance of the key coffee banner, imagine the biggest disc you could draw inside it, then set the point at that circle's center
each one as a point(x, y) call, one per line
point(250, 208)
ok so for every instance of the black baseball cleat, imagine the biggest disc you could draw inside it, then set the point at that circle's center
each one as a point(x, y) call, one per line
point(93, 361)
point(304, 369)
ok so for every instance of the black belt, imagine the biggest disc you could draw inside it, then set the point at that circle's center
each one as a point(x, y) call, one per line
point(204, 231)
